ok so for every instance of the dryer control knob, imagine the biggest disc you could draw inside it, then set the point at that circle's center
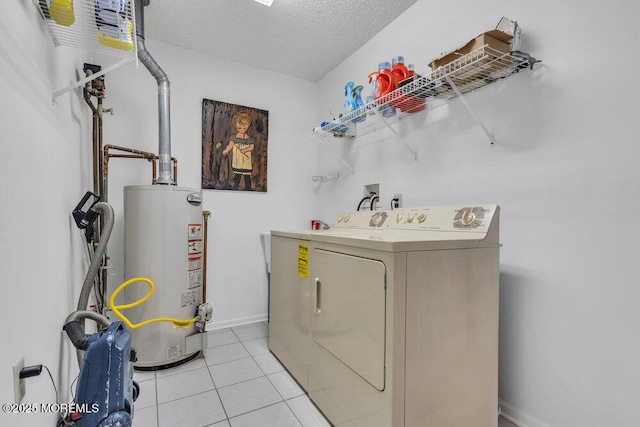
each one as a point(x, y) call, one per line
point(422, 217)
point(346, 218)
point(468, 217)
point(409, 217)
point(398, 217)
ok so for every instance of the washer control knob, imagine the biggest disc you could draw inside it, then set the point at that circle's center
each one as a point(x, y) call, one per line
point(398, 217)
point(340, 218)
point(346, 218)
point(422, 217)
point(376, 219)
point(468, 217)
point(409, 217)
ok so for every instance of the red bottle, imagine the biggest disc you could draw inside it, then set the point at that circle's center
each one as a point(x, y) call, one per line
point(399, 70)
point(385, 82)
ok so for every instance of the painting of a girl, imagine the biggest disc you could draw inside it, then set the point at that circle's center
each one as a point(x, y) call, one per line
point(241, 145)
point(234, 147)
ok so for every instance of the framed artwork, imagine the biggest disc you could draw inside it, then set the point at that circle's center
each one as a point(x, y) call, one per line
point(234, 147)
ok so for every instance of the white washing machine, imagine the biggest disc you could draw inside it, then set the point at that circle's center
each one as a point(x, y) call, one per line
point(392, 318)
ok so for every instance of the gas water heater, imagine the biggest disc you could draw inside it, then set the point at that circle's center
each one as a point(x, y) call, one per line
point(164, 242)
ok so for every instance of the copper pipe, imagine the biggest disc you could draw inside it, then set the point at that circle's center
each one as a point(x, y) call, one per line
point(129, 156)
point(87, 98)
point(205, 216)
point(98, 159)
point(137, 154)
point(130, 150)
point(154, 173)
point(95, 88)
point(175, 170)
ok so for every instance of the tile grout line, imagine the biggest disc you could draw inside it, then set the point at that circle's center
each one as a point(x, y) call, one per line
point(226, 415)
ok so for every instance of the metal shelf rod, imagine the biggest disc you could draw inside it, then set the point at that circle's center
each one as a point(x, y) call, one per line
point(386, 122)
point(466, 104)
point(81, 82)
point(336, 155)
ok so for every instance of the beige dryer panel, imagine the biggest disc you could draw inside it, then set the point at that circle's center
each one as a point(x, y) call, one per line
point(349, 303)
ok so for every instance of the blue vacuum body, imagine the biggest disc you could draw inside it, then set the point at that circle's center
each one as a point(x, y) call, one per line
point(106, 390)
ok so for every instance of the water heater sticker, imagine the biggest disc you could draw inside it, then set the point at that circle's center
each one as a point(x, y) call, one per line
point(195, 247)
point(173, 352)
point(195, 231)
point(195, 278)
point(188, 298)
point(303, 260)
point(195, 262)
point(194, 198)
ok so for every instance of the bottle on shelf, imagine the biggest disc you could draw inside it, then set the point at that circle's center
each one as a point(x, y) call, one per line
point(360, 112)
point(349, 100)
point(385, 84)
point(399, 70)
point(61, 11)
point(371, 96)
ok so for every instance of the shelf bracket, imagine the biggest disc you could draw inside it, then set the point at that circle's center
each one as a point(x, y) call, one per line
point(335, 154)
point(407, 146)
point(468, 107)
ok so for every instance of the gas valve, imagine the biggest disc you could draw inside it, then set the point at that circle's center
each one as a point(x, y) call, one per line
point(203, 315)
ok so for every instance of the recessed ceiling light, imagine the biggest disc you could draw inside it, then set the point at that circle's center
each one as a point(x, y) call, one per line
point(267, 2)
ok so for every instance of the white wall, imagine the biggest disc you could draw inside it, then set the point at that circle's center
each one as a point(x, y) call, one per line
point(46, 152)
point(565, 172)
point(237, 279)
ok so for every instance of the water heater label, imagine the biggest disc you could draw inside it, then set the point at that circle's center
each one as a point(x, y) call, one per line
point(195, 247)
point(195, 263)
point(195, 231)
point(194, 198)
point(173, 352)
point(195, 278)
point(188, 298)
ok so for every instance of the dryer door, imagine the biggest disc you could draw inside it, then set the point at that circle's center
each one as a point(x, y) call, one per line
point(349, 303)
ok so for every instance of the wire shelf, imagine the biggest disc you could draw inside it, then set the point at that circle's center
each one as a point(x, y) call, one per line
point(468, 73)
point(105, 27)
point(96, 26)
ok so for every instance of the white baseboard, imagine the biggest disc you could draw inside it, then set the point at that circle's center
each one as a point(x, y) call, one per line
point(518, 417)
point(232, 323)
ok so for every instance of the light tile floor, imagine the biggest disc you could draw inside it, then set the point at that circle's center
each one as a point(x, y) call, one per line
point(237, 382)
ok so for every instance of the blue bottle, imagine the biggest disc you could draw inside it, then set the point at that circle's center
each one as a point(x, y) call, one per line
point(360, 111)
point(349, 102)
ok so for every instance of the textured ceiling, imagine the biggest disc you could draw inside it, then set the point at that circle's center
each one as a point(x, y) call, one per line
point(301, 38)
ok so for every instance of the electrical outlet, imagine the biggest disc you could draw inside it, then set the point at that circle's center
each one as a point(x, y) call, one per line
point(397, 201)
point(19, 388)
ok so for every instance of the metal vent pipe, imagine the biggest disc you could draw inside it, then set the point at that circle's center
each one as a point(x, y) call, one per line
point(164, 116)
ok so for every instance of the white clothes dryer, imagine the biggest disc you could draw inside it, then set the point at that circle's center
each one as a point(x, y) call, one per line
point(395, 318)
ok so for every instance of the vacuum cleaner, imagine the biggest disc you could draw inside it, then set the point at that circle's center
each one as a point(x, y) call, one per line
point(106, 390)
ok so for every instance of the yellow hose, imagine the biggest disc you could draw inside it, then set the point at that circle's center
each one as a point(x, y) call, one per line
point(116, 308)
